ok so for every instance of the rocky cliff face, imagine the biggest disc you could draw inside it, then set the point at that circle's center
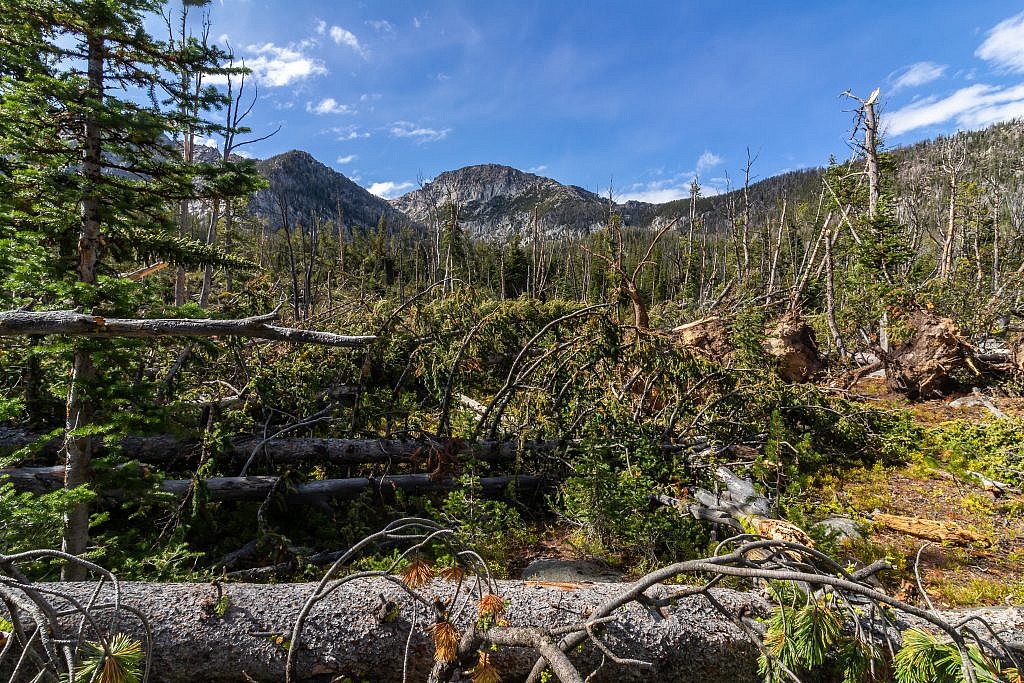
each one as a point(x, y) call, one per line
point(499, 201)
point(306, 187)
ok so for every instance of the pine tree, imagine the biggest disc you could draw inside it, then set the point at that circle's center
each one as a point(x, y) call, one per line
point(89, 105)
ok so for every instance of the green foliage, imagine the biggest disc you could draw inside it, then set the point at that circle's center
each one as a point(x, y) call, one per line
point(925, 659)
point(807, 638)
point(118, 660)
point(29, 521)
point(993, 447)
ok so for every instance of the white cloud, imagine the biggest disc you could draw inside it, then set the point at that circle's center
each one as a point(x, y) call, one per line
point(707, 160)
point(207, 142)
point(390, 189)
point(537, 169)
point(916, 75)
point(346, 159)
point(972, 107)
point(245, 155)
point(407, 129)
point(1004, 44)
point(328, 106)
point(670, 189)
point(416, 22)
point(344, 133)
point(381, 25)
point(276, 66)
point(321, 27)
point(343, 36)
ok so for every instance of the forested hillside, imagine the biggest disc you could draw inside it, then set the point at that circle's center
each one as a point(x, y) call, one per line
point(789, 413)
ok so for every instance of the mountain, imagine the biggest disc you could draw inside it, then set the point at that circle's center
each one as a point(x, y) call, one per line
point(306, 187)
point(499, 201)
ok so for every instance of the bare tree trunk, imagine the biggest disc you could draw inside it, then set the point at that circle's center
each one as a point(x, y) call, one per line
point(745, 269)
point(78, 450)
point(871, 153)
point(954, 157)
point(830, 298)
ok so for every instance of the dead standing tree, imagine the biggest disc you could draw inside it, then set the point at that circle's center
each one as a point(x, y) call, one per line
point(628, 278)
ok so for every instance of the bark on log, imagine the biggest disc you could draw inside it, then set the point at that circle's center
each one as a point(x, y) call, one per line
point(72, 322)
point(47, 479)
point(161, 449)
point(165, 448)
point(343, 638)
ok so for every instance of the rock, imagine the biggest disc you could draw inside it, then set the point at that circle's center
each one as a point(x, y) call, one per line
point(842, 529)
point(558, 570)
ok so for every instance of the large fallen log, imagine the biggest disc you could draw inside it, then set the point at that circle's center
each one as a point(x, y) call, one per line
point(40, 480)
point(344, 637)
point(75, 323)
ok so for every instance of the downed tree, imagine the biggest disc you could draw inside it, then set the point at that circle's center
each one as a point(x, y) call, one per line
point(40, 480)
point(346, 637)
point(167, 448)
point(161, 449)
point(929, 529)
point(74, 323)
point(399, 623)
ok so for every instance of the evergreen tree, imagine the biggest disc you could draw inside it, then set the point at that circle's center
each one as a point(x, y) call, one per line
point(89, 105)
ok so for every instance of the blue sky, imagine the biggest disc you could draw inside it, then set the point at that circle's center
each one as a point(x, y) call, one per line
point(640, 95)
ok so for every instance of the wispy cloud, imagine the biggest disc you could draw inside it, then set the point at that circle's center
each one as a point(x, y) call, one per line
point(381, 25)
point(972, 107)
point(343, 36)
point(276, 66)
point(1004, 44)
point(390, 189)
point(707, 160)
point(537, 169)
point(677, 186)
point(344, 133)
point(916, 75)
point(341, 161)
point(421, 134)
point(329, 106)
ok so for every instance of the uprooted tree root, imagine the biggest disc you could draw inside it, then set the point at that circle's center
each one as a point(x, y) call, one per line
point(925, 365)
point(792, 344)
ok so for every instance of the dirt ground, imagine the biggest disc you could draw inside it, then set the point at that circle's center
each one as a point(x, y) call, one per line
point(986, 572)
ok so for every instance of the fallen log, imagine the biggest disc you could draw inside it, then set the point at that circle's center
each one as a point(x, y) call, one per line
point(344, 637)
point(75, 323)
point(165, 448)
point(929, 529)
point(161, 449)
point(41, 480)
